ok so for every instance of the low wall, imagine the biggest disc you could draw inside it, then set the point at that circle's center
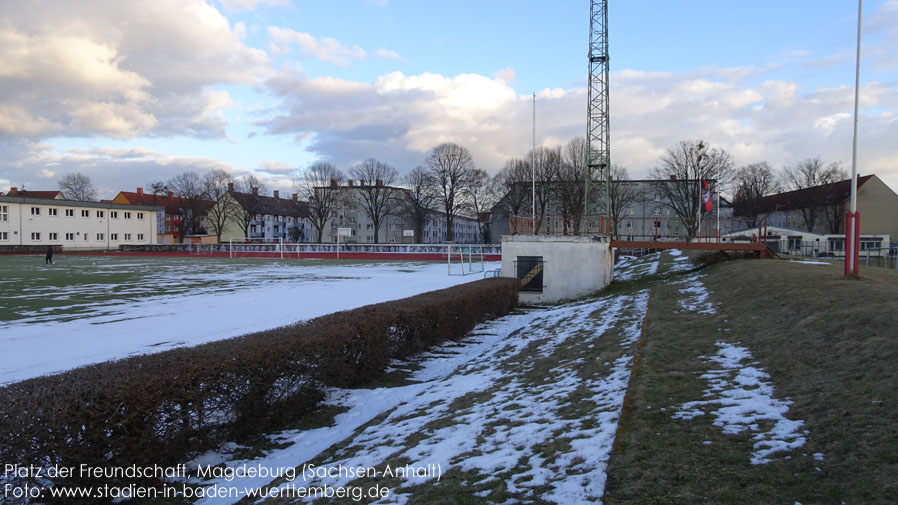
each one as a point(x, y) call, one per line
point(572, 266)
point(28, 249)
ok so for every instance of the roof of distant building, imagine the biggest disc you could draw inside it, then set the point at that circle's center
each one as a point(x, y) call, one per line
point(171, 202)
point(825, 194)
point(49, 195)
point(273, 206)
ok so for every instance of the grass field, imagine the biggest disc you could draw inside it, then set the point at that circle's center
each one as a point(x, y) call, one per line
point(85, 309)
point(823, 345)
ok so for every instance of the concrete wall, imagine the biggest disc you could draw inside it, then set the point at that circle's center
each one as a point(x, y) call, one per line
point(573, 266)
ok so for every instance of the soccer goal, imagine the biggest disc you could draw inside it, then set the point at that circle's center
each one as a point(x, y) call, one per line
point(255, 248)
point(464, 259)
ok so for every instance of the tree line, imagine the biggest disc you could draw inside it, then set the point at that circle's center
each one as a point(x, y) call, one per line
point(549, 180)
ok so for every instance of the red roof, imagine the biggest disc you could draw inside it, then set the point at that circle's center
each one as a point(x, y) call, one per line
point(172, 203)
point(49, 195)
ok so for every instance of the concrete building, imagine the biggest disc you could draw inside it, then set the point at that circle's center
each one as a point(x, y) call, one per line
point(169, 219)
point(349, 212)
point(263, 218)
point(26, 221)
point(822, 209)
point(646, 213)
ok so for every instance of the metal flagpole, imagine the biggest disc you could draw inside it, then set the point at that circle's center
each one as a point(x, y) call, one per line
point(717, 187)
point(533, 165)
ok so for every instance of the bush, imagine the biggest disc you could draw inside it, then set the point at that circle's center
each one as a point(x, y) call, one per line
point(162, 408)
point(711, 257)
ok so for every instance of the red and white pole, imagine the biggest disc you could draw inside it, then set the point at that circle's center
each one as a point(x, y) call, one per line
point(853, 218)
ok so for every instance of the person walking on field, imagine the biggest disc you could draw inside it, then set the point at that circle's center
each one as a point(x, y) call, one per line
point(49, 259)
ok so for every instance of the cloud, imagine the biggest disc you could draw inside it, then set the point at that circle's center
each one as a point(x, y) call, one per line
point(387, 54)
point(275, 168)
point(505, 75)
point(250, 4)
point(399, 117)
point(120, 70)
point(326, 49)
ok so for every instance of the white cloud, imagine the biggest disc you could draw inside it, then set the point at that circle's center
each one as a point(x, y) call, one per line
point(505, 75)
point(121, 69)
point(326, 49)
point(387, 54)
point(250, 4)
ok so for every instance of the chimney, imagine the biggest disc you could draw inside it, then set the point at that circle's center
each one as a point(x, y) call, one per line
point(673, 177)
point(170, 194)
point(362, 182)
point(139, 191)
point(379, 183)
point(255, 191)
point(295, 197)
point(277, 195)
point(350, 183)
point(230, 187)
point(13, 189)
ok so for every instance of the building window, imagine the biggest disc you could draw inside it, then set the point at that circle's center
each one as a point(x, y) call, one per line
point(113, 237)
point(86, 238)
point(4, 213)
point(836, 244)
point(100, 236)
point(4, 235)
point(113, 214)
point(167, 229)
point(127, 237)
point(140, 236)
point(54, 236)
point(70, 236)
point(53, 212)
point(100, 213)
point(35, 211)
point(140, 215)
point(867, 245)
point(794, 244)
point(127, 215)
point(85, 213)
point(70, 213)
point(35, 235)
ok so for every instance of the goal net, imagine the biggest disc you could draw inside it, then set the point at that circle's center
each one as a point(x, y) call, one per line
point(464, 259)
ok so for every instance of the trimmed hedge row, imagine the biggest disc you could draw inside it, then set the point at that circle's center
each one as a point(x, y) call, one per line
point(160, 409)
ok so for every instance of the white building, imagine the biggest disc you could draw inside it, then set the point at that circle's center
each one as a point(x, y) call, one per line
point(41, 222)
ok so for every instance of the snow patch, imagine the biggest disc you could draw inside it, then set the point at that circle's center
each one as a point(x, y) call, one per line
point(743, 400)
point(695, 297)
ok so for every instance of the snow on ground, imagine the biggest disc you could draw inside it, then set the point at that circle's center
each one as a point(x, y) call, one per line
point(227, 303)
point(809, 262)
point(742, 398)
point(477, 408)
point(695, 297)
point(629, 267)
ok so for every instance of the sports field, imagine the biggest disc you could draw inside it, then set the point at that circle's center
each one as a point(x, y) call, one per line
point(87, 309)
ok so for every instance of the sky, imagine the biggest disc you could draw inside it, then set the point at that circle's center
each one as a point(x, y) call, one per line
point(130, 92)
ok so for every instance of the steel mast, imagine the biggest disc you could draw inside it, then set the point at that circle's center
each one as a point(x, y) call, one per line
point(598, 138)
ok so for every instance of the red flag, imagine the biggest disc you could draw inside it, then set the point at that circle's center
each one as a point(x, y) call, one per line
point(707, 196)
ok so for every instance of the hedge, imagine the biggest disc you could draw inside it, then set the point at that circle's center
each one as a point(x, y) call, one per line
point(161, 409)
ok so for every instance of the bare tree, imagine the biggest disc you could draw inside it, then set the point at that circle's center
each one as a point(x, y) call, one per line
point(623, 194)
point(77, 186)
point(375, 193)
point(683, 168)
point(813, 176)
point(250, 202)
point(419, 198)
point(320, 186)
point(547, 163)
point(570, 186)
point(480, 197)
point(189, 190)
point(451, 167)
point(216, 183)
point(514, 182)
point(752, 183)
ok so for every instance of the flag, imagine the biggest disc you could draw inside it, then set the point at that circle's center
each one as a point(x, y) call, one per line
point(707, 196)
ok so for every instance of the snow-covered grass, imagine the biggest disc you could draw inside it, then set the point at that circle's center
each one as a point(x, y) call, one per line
point(810, 262)
point(694, 295)
point(89, 309)
point(526, 406)
point(742, 398)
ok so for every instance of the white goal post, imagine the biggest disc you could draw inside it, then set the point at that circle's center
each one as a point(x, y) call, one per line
point(466, 258)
